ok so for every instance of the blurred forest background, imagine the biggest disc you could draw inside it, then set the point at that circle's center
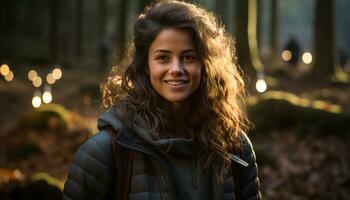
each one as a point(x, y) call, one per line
point(54, 54)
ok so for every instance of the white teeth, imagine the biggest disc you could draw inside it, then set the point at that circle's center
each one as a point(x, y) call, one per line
point(175, 83)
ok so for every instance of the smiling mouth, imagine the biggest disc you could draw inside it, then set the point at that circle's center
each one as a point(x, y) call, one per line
point(176, 82)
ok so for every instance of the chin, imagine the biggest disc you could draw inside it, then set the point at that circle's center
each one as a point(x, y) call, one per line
point(176, 100)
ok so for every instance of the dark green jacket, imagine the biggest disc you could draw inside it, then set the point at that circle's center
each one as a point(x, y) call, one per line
point(162, 169)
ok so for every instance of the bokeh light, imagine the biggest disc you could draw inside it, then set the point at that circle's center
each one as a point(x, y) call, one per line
point(47, 97)
point(36, 101)
point(307, 57)
point(37, 81)
point(286, 55)
point(9, 76)
point(261, 85)
point(50, 79)
point(4, 69)
point(32, 74)
point(57, 73)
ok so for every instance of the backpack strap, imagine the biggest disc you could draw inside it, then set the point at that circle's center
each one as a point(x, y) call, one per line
point(123, 163)
point(237, 173)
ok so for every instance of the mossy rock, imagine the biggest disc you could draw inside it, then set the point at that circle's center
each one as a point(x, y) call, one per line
point(278, 114)
point(47, 117)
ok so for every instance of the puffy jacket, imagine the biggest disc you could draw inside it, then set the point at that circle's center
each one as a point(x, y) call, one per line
point(155, 174)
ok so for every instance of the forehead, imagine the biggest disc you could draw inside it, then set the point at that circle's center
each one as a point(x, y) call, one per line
point(172, 39)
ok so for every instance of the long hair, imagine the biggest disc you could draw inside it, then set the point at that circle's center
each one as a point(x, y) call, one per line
point(213, 114)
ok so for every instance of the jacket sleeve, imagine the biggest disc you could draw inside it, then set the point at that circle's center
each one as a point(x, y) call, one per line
point(90, 175)
point(251, 183)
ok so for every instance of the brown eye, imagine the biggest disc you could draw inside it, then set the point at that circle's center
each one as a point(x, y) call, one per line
point(163, 58)
point(189, 58)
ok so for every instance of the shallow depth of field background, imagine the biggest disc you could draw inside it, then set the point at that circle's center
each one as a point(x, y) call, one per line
point(294, 53)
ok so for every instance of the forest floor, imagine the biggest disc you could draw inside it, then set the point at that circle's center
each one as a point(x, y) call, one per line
point(307, 167)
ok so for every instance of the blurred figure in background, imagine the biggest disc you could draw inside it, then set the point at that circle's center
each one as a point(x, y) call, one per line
point(294, 48)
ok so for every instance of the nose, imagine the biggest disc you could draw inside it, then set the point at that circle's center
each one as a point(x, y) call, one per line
point(176, 67)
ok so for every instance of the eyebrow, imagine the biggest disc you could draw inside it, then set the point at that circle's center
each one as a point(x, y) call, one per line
point(167, 51)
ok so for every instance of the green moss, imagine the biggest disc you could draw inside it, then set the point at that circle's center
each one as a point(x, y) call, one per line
point(279, 115)
point(51, 116)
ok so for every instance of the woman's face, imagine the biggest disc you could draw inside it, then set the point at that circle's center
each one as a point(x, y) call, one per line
point(174, 65)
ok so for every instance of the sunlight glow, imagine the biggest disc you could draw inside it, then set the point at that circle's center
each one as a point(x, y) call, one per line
point(47, 97)
point(9, 76)
point(32, 74)
point(261, 85)
point(36, 101)
point(4, 69)
point(37, 81)
point(50, 79)
point(286, 55)
point(307, 57)
point(57, 73)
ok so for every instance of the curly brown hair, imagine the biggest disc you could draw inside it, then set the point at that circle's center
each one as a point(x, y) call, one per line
point(213, 115)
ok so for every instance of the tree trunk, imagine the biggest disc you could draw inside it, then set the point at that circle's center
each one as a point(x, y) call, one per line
point(102, 19)
point(246, 39)
point(220, 10)
point(273, 24)
point(7, 11)
point(121, 25)
point(54, 11)
point(323, 66)
point(79, 37)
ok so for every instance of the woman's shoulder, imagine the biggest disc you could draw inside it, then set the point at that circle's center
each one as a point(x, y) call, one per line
point(247, 149)
point(91, 169)
point(97, 149)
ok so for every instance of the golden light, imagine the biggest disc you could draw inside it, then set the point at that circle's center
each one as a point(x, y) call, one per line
point(304, 102)
point(36, 101)
point(261, 85)
point(318, 104)
point(307, 57)
point(286, 55)
point(57, 73)
point(9, 76)
point(47, 96)
point(117, 80)
point(50, 79)
point(4, 69)
point(32, 74)
point(37, 81)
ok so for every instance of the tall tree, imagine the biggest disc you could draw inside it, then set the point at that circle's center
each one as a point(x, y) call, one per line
point(120, 32)
point(273, 24)
point(247, 50)
point(102, 19)
point(7, 21)
point(323, 66)
point(54, 22)
point(220, 9)
point(79, 37)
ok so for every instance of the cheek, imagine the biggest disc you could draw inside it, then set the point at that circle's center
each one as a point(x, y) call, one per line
point(154, 73)
point(197, 75)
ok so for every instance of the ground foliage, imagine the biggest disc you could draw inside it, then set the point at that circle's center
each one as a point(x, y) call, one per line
point(295, 161)
point(303, 167)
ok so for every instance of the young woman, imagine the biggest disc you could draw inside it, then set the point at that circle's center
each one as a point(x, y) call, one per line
point(176, 116)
